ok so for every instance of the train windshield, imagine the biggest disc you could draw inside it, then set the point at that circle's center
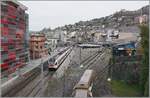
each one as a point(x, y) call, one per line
point(55, 63)
point(52, 60)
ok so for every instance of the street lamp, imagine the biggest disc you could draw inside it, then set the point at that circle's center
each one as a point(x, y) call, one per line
point(80, 55)
point(64, 82)
point(9, 73)
point(42, 75)
point(18, 69)
point(29, 55)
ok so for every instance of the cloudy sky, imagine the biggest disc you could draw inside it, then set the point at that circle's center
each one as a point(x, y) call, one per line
point(58, 13)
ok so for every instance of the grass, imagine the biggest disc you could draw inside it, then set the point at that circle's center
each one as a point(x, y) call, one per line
point(122, 89)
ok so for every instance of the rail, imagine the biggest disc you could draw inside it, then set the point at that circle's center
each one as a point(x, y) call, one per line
point(85, 91)
point(91, 60)
point(20, 84)
point(37, 90)
point(8, 89)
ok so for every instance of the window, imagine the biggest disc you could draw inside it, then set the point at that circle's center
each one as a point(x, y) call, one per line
point(36, 47)
point(41, 47)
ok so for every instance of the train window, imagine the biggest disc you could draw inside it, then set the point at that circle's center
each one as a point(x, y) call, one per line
point(52, 60)
point(82, 84)
point(36, 47)
point(56, 63)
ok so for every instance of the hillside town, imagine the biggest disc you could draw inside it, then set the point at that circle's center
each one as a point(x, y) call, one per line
point(93, 30)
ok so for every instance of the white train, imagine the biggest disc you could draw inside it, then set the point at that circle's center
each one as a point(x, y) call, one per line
point(55, 62)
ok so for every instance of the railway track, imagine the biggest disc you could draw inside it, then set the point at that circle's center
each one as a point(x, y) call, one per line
point(87, 62)
point(38, 88)
point(28, 89)
point(88, 58)
point(91, 60)
point(33, 85)
point(26, 80)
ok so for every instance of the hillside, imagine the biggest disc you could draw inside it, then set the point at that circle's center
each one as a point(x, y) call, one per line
point(123, 20)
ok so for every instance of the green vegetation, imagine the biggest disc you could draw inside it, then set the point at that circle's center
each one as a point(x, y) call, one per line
point(122, 89)
point(144, 83)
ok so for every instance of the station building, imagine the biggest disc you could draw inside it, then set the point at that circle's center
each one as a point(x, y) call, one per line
point(124, 49)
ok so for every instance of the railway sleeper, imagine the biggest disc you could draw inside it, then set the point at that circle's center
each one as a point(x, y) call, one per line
point(19, 83)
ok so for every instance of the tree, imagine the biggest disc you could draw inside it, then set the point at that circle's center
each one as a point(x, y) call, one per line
point(145, 60)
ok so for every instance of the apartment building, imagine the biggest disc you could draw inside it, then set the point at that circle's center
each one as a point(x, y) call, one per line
point(14, 29)
point(37, 46)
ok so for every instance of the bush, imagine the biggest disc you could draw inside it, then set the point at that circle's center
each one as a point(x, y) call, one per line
point(145, 64)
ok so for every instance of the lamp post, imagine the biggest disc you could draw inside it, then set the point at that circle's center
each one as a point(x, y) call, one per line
point(64, 83)
point(9, 73)
point(42, 76)
point(29, 55)
point(18, 69)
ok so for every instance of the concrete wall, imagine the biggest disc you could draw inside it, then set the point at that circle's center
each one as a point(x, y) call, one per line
point(74, 56)
point(60, 71)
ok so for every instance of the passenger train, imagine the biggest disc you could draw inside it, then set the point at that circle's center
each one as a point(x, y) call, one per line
point(84, 86)
point(55, 62)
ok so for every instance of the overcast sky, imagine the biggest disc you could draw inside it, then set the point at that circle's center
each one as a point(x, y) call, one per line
point(58, 13)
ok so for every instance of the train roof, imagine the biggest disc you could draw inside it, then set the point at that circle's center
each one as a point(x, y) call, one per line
point(86, 76)
point(81, 93)
point(61, 55)
point(125, 45)
point(88, 45)
point(85, 79)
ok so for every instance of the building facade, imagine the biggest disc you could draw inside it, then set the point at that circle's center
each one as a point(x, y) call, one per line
point(141, 19)
point(126, 49)
point(52, 43)
point(14, 28)
point(37, 46)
